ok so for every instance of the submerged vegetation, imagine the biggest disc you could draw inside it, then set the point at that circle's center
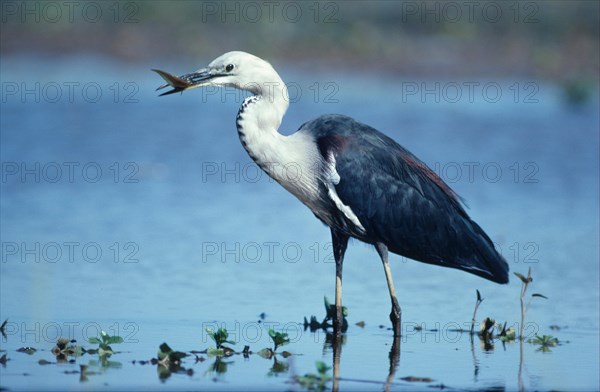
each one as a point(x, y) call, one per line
point(66, 348)
point(220, 337)
point(104, 342)
point(545, 342)
point(491, 330)
point(169, 361)
point(327, 322)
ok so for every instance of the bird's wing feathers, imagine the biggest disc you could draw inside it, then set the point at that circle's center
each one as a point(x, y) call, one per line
point(401, 202)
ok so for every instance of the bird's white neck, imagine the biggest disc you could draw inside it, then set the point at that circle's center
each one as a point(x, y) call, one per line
point(290, 160)
point(258, 121)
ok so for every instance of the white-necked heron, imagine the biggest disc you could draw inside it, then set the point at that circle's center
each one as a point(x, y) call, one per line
point(355, 179)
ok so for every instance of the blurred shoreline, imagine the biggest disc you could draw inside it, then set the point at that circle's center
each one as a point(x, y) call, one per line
point(445, 39)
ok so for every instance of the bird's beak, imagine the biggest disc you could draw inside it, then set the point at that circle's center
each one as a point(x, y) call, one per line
point(199, 78)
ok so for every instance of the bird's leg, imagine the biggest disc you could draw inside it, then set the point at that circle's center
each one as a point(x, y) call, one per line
point(396, 314)
point(340, 243)
point(339, 316)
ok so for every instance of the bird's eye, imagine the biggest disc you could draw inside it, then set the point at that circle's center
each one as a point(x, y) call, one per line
point(229, 67)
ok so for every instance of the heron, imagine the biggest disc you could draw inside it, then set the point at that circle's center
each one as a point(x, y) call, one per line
point(355, 179)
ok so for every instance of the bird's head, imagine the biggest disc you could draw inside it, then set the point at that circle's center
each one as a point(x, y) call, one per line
point(237, 69)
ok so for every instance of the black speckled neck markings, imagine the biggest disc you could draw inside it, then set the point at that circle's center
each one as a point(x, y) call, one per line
point(238, 121)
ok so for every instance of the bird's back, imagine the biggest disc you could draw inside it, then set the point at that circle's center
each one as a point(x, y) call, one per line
point(400, 201)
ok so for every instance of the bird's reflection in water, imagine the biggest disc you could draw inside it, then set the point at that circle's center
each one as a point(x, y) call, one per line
point(335, 341)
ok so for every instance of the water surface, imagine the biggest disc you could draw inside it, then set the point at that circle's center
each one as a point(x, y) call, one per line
point(144, 216)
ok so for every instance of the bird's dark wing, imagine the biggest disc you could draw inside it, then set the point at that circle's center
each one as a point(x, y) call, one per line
point(401, 202)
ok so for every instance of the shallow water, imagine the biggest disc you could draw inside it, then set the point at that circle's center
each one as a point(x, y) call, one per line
point(144, 216)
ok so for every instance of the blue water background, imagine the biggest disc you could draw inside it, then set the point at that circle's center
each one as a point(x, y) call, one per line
point(204, 238)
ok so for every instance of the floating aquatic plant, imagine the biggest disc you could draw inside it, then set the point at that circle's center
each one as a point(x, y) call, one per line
point(279, 339)
point(545, 342)
point(220, 337)
point(104, 342)
point(504, 334)
point(65, 347)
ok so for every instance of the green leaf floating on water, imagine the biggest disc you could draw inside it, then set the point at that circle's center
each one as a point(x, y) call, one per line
point(279, 338)
point(114, 340)
point(219, 336)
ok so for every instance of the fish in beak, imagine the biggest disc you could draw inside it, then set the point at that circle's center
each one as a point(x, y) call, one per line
point(199, 78)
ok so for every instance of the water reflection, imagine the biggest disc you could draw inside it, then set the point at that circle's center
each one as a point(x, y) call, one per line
point(278, 367)
point(394, 361)
point(336, 348)
point(218, 367)
point(335, 341)
point(520, 376)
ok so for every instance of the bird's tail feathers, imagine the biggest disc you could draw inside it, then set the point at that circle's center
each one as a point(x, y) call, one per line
point(485, 261)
